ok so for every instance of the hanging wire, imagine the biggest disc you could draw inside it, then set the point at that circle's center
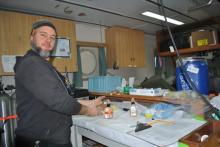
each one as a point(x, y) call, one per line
point(100, 27)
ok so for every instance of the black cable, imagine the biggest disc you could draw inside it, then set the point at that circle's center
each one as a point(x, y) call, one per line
point(186, 75)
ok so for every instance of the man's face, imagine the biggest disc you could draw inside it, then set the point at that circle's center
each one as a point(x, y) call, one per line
point(43, 38)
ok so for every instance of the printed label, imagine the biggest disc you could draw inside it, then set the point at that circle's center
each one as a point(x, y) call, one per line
point(202, 42)
point(193, 69)
point(171, 49)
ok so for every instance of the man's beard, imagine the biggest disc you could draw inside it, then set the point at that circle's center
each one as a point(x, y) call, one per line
point(42, 53)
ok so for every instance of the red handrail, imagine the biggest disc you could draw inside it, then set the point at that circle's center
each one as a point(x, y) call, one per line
point(8, 117)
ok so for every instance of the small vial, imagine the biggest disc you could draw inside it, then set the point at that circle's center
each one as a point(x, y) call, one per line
point(133, 109)
point(108, 112)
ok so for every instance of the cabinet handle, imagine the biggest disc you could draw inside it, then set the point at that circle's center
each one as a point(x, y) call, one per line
point(115, 65)
point(132, 59)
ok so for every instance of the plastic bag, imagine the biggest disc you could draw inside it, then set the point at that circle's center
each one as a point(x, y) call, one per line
point(163, 110)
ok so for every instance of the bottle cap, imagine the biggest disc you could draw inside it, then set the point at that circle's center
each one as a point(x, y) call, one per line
point(132, 101)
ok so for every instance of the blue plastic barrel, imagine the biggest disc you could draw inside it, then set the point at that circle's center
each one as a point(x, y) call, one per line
point(197, 70)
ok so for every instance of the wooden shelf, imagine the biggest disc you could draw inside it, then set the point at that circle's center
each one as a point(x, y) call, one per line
point(190, 50)
point(146, 99)
point(162, 36)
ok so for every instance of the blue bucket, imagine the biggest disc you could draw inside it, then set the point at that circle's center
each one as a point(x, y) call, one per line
point(197, 70)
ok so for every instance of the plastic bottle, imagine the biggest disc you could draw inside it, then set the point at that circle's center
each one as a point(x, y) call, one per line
point(133, 109)
point(126, 89)
point(108, 112)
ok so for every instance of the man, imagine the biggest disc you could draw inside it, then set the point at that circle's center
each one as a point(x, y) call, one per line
point(44, 106)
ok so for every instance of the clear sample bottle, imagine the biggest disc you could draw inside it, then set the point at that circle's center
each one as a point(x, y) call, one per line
point(108, 112)
point(133, 109)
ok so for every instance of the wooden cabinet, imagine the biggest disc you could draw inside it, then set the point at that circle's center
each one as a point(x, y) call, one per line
point(15, 29)
point(125, 47)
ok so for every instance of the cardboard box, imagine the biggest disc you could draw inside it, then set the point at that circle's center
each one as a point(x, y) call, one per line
point(202, 38)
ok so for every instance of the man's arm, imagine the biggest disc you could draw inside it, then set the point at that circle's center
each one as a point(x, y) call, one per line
point(90, 111)
point(83, 110)
point(95, 102)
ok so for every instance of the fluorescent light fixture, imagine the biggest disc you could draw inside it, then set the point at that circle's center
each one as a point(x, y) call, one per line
point(160, 17)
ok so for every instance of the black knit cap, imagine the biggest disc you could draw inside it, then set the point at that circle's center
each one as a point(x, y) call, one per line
point(43, 22)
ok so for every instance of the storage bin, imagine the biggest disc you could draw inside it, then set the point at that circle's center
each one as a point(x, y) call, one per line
point(104, 83)
point(197, 70)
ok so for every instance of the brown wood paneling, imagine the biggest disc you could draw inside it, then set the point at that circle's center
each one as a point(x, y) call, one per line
point(15, 32)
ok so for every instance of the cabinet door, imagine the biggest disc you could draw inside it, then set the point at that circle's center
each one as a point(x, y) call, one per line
point(118, 47)
point(138, 49)
point(14, 36)
point(110, 47)
point(123, 48)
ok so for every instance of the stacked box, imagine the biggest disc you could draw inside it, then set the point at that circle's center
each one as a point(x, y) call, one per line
point(201, 38)
point(103, 83)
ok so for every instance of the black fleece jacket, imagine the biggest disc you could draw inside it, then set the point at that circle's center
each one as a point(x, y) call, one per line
point(44, 106)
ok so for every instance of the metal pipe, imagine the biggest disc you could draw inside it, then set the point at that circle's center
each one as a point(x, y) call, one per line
point(56, 16)
point(201, 6)
point(107, 11)
point(173, 10)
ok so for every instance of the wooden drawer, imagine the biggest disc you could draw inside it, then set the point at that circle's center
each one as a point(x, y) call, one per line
point(212, 129)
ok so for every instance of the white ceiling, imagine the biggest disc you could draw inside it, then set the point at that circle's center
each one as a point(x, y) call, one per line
point(118, 12)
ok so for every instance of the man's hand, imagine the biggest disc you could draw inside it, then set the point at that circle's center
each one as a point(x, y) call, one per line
point(92, 107)
point(90, 103)
point(98, 101)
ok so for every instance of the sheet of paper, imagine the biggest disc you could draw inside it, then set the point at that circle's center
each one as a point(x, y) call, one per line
point(8, 62)
point(164, 134)
point(62, 48)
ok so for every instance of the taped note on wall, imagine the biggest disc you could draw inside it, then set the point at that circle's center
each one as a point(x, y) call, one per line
point(8, 62)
